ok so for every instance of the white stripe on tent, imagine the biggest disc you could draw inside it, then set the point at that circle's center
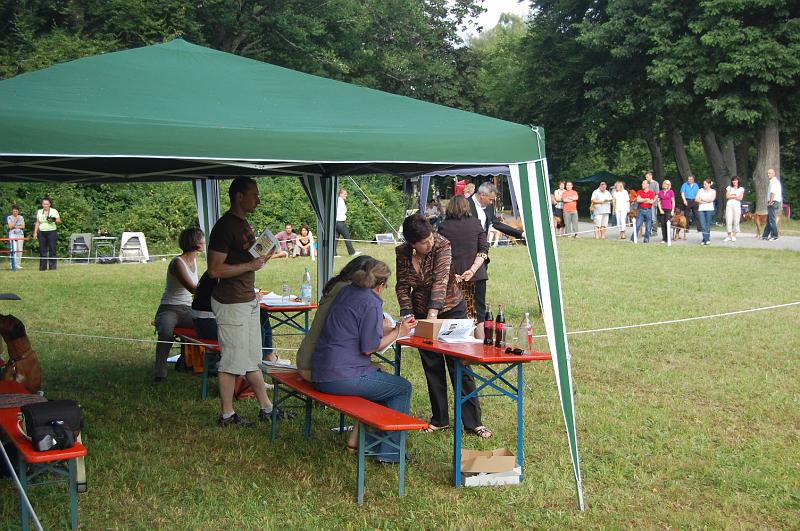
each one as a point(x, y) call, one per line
point(532, 181)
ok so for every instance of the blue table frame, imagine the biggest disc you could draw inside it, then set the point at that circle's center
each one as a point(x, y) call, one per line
point(290, 316)
point(500, 366)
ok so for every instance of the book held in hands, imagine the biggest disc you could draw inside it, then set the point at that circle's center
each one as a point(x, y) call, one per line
point(266, 244)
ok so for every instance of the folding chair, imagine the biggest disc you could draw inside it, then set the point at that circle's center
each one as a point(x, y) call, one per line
point(80, 244)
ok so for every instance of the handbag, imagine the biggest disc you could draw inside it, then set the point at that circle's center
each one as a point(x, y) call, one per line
point(53, 425)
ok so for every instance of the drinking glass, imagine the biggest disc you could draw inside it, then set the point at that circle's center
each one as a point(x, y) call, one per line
point(285, 292)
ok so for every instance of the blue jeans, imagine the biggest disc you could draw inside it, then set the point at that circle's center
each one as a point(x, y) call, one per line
point(386, 389)
point(771, 230)
point(645, 216)
point(207, 329)
point(706, 219)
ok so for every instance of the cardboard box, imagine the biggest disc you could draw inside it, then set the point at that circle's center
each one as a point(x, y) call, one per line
point(495, 467)
point(428, 328)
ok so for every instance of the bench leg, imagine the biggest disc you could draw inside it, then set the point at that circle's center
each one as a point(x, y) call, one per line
point(204, 380)
point(22, 472)
point(362, 443)
point(402, 489)
point(307, 426)
point(341, 422)
point(274, 432)
point(73, 494)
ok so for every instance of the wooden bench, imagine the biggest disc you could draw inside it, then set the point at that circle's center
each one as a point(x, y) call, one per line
point(365, 412)
point(188, 336)
point(58, 462)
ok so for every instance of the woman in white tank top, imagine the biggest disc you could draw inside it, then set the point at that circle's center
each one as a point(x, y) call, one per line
point(175, 308)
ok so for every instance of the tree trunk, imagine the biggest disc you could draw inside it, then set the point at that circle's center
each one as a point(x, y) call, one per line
point(769, 156)
point(679, 149)
point(743, 162)
point(729, 157)
point(722, 176)
point(656, 157)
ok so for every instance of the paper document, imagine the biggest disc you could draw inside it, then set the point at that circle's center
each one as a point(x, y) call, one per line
point(266, 244)
point(457, 331)
point(273, 299)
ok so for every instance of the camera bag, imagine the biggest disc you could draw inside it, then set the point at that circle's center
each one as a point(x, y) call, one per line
point(51, 425)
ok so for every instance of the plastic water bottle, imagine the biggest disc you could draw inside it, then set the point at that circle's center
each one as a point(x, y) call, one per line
point(305, 287)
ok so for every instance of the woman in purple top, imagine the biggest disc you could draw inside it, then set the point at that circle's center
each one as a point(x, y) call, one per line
point(666, 206)
point(340, 363)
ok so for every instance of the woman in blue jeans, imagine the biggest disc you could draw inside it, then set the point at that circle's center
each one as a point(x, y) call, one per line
point(705, 200)
point(354, 329)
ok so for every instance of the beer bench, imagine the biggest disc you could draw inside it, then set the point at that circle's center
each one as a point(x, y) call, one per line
point(61, 463)
point(188, 336)
point(365, 412)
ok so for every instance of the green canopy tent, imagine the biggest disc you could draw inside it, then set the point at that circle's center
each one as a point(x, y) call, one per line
point(177, 111)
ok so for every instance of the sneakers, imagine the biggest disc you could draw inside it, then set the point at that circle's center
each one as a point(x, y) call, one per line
point(235, 419)
point(727, 239)
point(733, 238)
point(355, 254)
point(772, 239)
point(266, 416)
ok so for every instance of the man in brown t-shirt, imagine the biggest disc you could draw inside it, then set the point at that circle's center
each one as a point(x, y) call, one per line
point(234, 300)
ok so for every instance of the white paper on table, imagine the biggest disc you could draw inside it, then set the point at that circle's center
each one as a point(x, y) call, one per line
point(273, 299)
point(457, 331)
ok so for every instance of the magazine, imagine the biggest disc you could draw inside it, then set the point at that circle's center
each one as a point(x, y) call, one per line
point(458, 331)
point(266, 244)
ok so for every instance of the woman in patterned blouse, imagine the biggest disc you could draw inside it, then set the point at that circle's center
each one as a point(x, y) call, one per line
point(427, 288)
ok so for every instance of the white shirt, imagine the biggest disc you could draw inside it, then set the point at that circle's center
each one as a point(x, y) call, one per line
point(623, 200)
point(605, 207)
point(479, 208)
point(735, 191)
point(341, 209)
point(775, 188)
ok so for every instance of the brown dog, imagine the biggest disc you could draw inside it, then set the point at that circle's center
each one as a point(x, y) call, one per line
point(679, 223)
point(23, 364)
point(760, 220)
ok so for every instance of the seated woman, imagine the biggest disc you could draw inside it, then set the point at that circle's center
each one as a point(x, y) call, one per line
point(303, 243)
point(354, 329)
point(427, 288)
point(175, 307)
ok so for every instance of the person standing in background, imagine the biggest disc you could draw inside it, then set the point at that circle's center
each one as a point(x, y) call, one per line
point(570, 199)
point(15, 224)
point(774, 205)
point(645, 198)
point(558, 206)
point(653, 184)
point(689, 191)
point(46, 228)
point(341, 226)
point(666, 207)
point(705, 201)
point(601, 199)
point(733, 208)
point(622, 205)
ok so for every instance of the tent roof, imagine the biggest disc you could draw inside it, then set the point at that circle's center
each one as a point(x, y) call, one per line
point(176, 110)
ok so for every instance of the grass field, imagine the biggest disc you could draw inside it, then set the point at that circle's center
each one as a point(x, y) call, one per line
point(680, 426)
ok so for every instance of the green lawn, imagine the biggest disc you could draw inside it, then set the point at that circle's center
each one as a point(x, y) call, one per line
point(689, 425)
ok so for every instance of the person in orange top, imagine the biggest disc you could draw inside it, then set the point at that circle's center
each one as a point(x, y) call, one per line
point(570, 199)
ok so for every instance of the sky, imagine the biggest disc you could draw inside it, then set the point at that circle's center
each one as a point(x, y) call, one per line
point(494, 8)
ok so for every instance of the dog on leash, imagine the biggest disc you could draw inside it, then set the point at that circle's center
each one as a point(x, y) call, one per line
point(23, 364)
point(760, 220)
point(679, 223)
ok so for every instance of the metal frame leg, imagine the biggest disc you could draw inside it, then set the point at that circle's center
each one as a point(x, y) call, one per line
point(73, 494)
point(274, 416)
point(520, 419)
point(402, 488)
point(458, 401)
point(307, 426)
point(23, 479)
point(204, 380)
point(362, 442)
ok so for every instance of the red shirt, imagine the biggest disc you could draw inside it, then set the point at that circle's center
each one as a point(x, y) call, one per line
point(572, 206)
point(646, 194)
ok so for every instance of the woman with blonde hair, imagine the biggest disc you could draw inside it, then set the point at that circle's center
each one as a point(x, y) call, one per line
point(666, 207)
point(354, 329)
point(622, 205)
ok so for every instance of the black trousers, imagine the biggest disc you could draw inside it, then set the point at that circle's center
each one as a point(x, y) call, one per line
point(341, 229)
point(480, 300)
point(692, 214)
point(664, 218)
point(47, 245)
point(433, 364)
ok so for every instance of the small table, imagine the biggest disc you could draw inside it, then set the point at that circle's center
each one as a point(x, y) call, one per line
point(289, 315)
point(493, 359)
point(105, 242)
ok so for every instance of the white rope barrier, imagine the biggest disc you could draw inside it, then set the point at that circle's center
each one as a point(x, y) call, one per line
point(684, 320)
point(92, 258)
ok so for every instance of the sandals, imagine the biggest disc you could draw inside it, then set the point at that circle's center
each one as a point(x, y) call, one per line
point(432, 428)
point(482, 431)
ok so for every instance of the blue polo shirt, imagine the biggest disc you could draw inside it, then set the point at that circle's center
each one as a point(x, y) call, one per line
point(690, 191)
point(354, 326)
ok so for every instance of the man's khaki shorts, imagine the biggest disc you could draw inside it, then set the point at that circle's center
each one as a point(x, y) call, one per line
point(239, 329)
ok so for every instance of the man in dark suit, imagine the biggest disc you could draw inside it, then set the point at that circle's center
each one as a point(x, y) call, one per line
point(481, 205)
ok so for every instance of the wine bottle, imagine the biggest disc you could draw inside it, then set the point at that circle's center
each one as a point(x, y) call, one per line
point(500, 328)
point(528, 331)
point(488, 327)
